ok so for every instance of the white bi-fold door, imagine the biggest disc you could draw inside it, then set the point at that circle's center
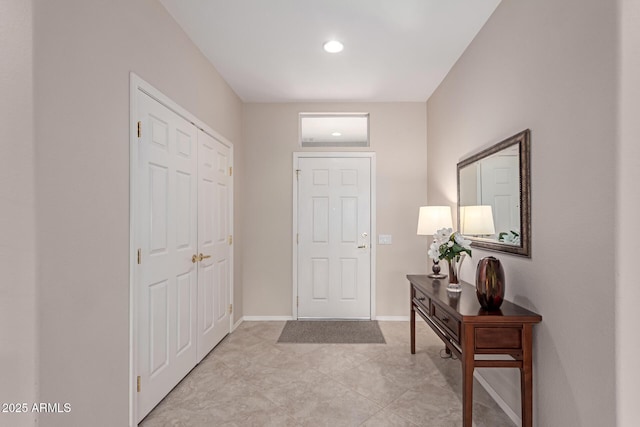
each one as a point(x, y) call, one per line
point(167, 230)
point(214, 240)
point(334, 237)
point(182, 230)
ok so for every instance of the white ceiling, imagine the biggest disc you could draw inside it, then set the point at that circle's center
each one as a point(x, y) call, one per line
point(271, 50)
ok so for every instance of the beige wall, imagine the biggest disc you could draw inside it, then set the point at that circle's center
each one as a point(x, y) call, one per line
point(398, 134)
point(628, 206)
point(18, 324)
point(549, 66)
point(84, 52)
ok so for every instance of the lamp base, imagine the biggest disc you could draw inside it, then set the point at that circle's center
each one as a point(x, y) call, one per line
point(436, 271)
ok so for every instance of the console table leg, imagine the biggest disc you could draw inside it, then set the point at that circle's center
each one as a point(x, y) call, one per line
point(467, 375)
point(412, 318)
point(412, 322)
point(526, 377)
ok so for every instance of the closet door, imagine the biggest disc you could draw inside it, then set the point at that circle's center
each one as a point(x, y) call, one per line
point(166, 229)
point(214, 242)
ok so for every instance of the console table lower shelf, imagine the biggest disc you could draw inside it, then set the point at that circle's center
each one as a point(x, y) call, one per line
point(468, 330)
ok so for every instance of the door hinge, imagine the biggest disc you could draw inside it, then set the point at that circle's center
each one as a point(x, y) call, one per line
point(139, 256)
point(298, 174)
point(230, 170)
point(230, 308)
point(139, 129)
point(297, 238)
point(230, 239)
point(139, 386)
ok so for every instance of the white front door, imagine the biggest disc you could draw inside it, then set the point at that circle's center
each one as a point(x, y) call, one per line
point(167, 233)
point(334, 229)
point(214, 242)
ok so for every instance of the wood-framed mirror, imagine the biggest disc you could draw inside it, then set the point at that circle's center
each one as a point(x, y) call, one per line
point(494, 196)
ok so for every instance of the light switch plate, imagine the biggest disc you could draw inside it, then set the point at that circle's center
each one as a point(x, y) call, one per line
point(384, 239)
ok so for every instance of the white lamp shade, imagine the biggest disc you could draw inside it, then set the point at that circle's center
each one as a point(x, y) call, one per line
point(476, 220)
point(433, 218)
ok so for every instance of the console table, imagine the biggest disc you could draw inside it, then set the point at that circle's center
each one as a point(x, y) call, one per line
point(467, 329)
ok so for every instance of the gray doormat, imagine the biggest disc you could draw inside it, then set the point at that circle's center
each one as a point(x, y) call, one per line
point(332, 332)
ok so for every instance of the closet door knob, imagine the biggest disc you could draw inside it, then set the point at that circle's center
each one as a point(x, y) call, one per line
point(200, 257)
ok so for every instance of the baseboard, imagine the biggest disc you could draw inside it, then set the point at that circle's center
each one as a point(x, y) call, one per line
point(499, 400)
point(392, 318)
point(235, 325)
point(266, 318)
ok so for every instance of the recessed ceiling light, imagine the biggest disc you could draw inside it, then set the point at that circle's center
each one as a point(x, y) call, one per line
point(333, 46)
point(336, 134)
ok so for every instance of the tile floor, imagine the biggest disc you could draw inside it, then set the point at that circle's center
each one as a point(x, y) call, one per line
point(250, 380)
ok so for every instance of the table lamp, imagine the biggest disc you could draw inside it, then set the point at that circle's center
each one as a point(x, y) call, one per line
point(430, 220)
point(476, 221)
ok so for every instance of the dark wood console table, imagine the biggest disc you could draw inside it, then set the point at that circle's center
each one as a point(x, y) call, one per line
point(467, 329)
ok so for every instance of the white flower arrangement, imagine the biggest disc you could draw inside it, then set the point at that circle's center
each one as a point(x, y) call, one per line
point(449, 245)
point(511, 237)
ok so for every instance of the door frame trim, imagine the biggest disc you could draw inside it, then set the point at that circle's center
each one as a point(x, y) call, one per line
point(136, 85)
point(294, 244)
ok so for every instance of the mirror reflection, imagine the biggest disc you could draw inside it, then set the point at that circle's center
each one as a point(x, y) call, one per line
point(493, 196)
point(490, 188)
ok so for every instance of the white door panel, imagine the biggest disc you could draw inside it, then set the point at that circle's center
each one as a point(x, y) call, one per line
point(334, 225)
point(167, 234)
point(213, 234)
point(501, 190)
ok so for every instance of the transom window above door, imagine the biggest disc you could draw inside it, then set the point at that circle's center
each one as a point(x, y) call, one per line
point(334, 129)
